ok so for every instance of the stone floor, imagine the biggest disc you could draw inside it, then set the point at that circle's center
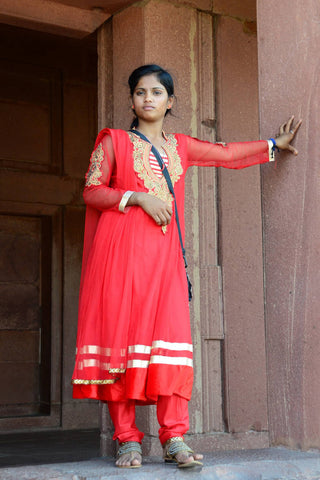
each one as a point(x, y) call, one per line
point(56, 459)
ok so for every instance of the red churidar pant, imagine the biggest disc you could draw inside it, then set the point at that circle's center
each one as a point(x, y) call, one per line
point(172, 413)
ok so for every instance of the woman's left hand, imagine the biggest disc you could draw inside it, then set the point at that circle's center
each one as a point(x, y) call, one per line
point(287, 134)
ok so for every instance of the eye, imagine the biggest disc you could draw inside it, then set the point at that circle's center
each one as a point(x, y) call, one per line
point(158, 92)
point(139, 92)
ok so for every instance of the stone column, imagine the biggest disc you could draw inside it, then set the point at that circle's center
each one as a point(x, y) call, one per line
point(288, 42)
point(178, 38)
point(105, 118)
point(240, 227)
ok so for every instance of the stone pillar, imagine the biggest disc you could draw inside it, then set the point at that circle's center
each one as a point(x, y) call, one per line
point(105, 118)
point(180, 39)
point(240, 226)
point(288, 42)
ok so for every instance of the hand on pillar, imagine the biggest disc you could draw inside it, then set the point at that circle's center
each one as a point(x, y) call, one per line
point(287, 133)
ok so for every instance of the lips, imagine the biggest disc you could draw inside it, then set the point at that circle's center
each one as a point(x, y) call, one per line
point(148, 108)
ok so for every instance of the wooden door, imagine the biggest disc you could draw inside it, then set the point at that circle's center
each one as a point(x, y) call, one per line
point(47, 128)
point(30, 152)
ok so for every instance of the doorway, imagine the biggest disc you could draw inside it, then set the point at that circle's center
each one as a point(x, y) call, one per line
point(47, 129)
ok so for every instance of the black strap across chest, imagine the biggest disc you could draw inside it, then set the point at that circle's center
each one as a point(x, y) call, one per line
point(166, 175)
point(171, 190)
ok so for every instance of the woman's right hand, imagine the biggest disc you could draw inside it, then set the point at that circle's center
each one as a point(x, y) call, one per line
point(157, 209)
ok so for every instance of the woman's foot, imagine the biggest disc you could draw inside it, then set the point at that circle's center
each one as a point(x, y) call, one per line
point(176, 450)
point(185, 457)
point(129, 455)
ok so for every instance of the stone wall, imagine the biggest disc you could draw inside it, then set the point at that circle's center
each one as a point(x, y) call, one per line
point(289, 39)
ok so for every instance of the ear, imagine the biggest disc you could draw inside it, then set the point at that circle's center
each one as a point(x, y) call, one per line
point(170, 102)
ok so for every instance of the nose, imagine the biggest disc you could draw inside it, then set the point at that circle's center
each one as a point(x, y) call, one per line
point(147, 98)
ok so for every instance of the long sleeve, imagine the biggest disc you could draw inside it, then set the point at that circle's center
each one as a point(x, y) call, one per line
point(98, 191)
point(232, 155)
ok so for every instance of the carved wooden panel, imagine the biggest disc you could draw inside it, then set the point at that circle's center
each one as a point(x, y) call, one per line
point(24, 316)
point(30, 109)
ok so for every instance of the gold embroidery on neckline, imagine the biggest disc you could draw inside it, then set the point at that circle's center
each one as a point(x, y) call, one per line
point(94, 173)
point(156, 186)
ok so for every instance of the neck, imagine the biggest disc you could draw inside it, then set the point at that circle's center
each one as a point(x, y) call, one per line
point(151, 130)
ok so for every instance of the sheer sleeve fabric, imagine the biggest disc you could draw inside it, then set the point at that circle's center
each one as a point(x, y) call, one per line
point(98, 191)
point(232, 155)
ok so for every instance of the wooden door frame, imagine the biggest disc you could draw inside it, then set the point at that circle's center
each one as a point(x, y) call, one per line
point(54, 213)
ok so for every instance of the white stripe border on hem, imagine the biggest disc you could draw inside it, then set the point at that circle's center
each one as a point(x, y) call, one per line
point(172, 345)
point(160, 360)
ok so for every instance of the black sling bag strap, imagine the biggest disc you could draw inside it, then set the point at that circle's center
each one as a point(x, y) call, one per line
point(171, 190)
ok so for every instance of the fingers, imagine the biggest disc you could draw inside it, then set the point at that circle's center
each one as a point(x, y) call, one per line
point(287, 133)
point(282, 128)
point(292, 150)
point(163, 217)
point(287, 127)
point(296, 128)
point(162, 214)
point(158, 210)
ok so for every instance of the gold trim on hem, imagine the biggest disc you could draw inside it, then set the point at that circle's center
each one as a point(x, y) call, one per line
point(93, 382)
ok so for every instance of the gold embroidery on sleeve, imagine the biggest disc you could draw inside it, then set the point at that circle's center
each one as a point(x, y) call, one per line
point(94, 173)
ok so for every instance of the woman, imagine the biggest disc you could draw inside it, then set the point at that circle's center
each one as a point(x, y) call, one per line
point(134, 343)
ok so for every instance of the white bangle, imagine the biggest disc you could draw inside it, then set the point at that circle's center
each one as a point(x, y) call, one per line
point(124, 200)
point(271, 151)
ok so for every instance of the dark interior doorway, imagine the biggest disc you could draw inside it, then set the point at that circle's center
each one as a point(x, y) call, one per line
point(48, 89)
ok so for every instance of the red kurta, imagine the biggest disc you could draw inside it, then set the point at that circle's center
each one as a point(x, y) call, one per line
point(134, 339)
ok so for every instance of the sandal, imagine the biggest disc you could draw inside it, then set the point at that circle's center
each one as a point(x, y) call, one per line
point(174, 446)
point(131, 448)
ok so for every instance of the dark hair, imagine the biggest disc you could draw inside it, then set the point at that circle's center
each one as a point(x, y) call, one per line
point(162, 75)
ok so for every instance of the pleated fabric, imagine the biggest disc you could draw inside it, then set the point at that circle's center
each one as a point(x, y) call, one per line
point(134, 337)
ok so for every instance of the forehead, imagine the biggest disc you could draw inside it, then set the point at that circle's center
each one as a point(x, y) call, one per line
point(149, 81)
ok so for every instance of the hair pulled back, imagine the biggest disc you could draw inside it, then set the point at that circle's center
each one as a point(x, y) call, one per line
point(162, 75)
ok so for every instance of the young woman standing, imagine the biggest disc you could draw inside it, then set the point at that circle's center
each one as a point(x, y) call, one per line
point(134, 342)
